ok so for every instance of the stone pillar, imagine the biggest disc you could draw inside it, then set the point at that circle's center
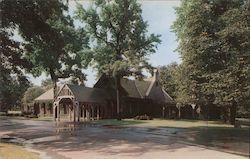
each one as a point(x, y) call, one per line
point(58, 112)
point(98, 112)
point(54, 111)
point(193, 109)
point(70, 112)
point(83, 112)
point(163, 111)
point(92, 112)
point(40, 109)
point(74, 112)
point(178, 105)
point(47, 112)
point(78, 111)
point(87, 113)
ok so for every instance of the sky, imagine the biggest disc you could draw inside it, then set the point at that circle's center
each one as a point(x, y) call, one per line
point(160, 15)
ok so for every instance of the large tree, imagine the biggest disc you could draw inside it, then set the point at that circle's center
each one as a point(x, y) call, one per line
point(168, 78)
point(31, 94)
point(50, 42)
point(122, 42)
point(214, 44)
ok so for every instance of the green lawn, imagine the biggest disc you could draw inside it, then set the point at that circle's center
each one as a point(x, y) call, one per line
point(10, 151)
point(162, 123)
point(214, 134)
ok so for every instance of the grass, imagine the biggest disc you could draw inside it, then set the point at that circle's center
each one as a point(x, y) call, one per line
point(214, 134)
point(243, 119)
point(115, 122)
point(10, 151)
point(162, 123)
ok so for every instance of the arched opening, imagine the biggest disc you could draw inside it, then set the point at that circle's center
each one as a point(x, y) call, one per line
point(65, 109)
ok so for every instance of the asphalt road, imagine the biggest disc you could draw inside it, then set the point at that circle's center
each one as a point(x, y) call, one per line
point(87, 141)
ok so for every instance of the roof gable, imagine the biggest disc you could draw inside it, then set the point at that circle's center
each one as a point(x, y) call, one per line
point(158, 94)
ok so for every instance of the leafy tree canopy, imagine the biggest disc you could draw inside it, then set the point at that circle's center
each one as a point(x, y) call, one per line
point(122, 42)
point(31, 94)
point(214, 46)
point(168, 78)
point(51, 43)
point(121, 38)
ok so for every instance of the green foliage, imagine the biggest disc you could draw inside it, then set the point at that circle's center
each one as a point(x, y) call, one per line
point(120, 35)
point(31, 94)
point(214, 45)
point(168, 79)
point(12, 87)
point(121, 43)
point(47, 84)
point(50, 42)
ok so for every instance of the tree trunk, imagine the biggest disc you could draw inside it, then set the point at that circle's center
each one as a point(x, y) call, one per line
point(54, 80)
point(179, 113)
point(233, 113)
point(226, 114)
point(117, 85)
point(54, 89)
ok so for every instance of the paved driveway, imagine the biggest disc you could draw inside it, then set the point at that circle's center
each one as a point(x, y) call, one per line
point(86, 141)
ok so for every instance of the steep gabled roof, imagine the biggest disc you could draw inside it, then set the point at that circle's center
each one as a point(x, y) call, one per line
point(158, 94)
point(142, 87)
point(148, 88)
point(47, 96)
point(86, 94)
point(130, 88)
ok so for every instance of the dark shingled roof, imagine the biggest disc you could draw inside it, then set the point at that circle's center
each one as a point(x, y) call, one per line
point(142, 86)
point(104, 89)
point(139, 89)
point(159, 95)
point(150, 88)
point(130, 87)
point(86, 94)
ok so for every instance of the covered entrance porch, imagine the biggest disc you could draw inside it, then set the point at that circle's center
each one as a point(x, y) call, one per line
point(67, 108)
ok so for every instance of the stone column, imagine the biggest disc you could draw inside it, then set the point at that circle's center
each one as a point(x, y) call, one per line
point(74, 112)
point(83, 112)
point(78, 111)
point(178, 105)
point(88, 113)
point(98, 112)
point(92, 112)
point(193, 109)
point(58, 112)
point(40, 109)
point(163, 111)
point(70, 112)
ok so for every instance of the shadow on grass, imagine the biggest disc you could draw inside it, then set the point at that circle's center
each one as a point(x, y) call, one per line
point(223, 139)
point(114, 122)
